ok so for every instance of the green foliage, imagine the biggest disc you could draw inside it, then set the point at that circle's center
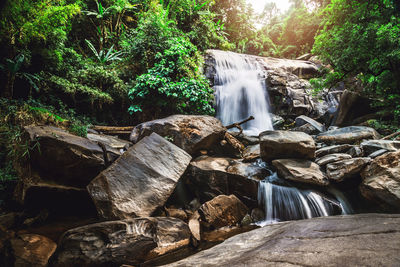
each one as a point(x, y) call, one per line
point(104, 57)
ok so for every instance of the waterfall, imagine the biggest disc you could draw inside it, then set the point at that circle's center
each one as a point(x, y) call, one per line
point(240, 92)
point(282, 202)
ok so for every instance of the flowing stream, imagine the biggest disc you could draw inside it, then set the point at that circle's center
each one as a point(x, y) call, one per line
point(240, 92)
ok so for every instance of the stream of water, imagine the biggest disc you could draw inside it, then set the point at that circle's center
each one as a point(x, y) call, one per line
point(240, 92)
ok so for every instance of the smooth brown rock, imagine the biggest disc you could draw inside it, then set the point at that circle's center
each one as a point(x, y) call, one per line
point(189, 132)
point(223, 233)
point(353, 240)
point(251, 152)
point(381, 180)
point(222, 211)
point(330, 158)
point(141, 180)
point(32, 250)
point(348, 135)
point(286, 144)
point(303, 171)
point(345, 169)
point(332, 149)
point(114, 243)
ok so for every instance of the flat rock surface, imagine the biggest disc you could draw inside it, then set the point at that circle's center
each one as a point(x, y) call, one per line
point(353, 240)
point(347, 168)
point(141, 180)
point(348, 135)
point(372, 146)
point(331, 158)
point(332, 149)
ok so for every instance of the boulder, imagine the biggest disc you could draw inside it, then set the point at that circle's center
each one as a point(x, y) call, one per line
point(209, 177)
point(189, 132)
point(332, 150)
point(31, 250)
point(371, 146)
point(347, 135)
point(353, 240)
point(378, 153)
point(222, 211)
point(114, 243)
point(306, 128)
point(330, 158)
point(347, 168)
point(297, 170)
point(302, 120)
point(286, 144)
point(141, 180)
point(223, 233)
point(355, 152)
point(251, 152)
point(381, 180)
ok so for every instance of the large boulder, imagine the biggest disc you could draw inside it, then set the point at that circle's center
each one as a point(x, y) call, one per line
point(347, 135)
point(371, 146)
point(222, 211)
point(114, 243)
point(189, 132)
point(381, 180)
point(286, 144)
point(298, 170)
point(141, 180)
point(354, 240)
point(340, 170)
point(209, 177)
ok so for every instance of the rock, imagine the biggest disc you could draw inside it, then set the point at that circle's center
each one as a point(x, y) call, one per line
point(381, 180)
point(141, 180)
point(246, 220)
point(330, 158)
point(347, 135)
point(31, 250)
point(303, 171)
point(371, 146)
point(176, 213)
point(115, 146)
point(189, 132)
point(222, 211)
point(353, 240)
point(277, 120)
point(304, 57)
point(285, 144)
point(208, 177)
point(58, 158)
point(246, 139)
point(347, 168)
point(114, 243)
point(223, 233)
point(251, 152)
point(332, 150)
point(257, 215)
point(306, 128)
point(302, 120)
point(356, 152)
point(194, 226)
point(230, 147)
point(378, 153)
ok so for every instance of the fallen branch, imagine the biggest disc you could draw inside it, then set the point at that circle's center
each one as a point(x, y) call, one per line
point(111, 128)
point(390, 136)
point(237, 124)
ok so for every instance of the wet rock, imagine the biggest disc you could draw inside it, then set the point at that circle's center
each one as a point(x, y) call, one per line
point(189, 132)
point(345, 169)
point(209, 177)
point(141, 180)
point(222, 211)
point(306, 128)
point(246, 220)
point(371, 146)
point(251, 152)
point(277, 120)
point(257, 215)
point(353, 240)
point(381, 180)
point(303, 171)
point(31, 250)
point(286, 144)
point(114, 243)
point(330, 158)
point(347, 135)
point(332, 150)
point(302, 120)
point(356, 152)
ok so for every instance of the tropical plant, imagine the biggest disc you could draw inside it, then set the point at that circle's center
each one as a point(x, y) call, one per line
point(104, 57)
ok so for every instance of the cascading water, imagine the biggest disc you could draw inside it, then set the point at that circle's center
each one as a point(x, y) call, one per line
point(240, 92)
point(282, 203)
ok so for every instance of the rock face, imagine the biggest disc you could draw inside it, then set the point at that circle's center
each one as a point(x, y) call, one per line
point(209, 177)
point(332, 149)
point(355, 240)
point(31, 250)
point(141, 180)
point(114, 243)
point(372, 146)
point(347, 168)
point(347, 135)
point(285, 144)
point(302, 120)
point(189, 132)
point(330, 158)
point(381, 180)
point(304, 171)
point(222, 211)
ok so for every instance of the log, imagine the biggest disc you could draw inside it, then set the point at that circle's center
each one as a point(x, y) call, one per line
point(235, 125)
point(111, 128)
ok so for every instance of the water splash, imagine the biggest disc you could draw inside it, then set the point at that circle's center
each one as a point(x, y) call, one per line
point(240, 92)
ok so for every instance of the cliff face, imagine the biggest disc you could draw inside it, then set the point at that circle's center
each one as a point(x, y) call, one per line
point(288, 86)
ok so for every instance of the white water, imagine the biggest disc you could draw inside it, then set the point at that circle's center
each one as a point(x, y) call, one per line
point(240, 92)
point(282, 203)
